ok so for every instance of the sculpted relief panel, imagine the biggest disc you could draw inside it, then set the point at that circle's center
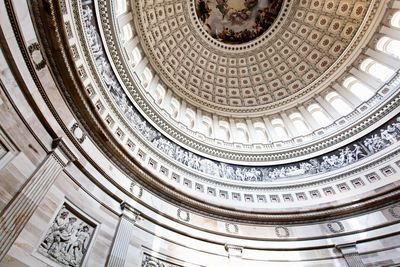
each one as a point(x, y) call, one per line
point(67, 239)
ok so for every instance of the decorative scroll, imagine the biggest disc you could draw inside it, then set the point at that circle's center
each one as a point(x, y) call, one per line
point(67, 239)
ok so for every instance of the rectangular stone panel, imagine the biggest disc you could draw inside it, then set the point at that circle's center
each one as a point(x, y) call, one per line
point(68, 239)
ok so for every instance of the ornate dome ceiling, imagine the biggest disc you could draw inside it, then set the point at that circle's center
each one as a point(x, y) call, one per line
point(169, 140)
point(263, 102)
point(305, 45)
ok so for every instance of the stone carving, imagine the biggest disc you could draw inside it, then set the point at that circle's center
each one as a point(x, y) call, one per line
point(231, 228)
point(78, 133)
point(38, 60)
point(67, 240)
point(150, 261)
point(376, 141)
point(183, 215)
point(336, 227)
point(395, 211)
point(282, 231)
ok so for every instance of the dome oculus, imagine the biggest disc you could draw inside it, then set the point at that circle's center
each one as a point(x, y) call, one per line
point(237, 21)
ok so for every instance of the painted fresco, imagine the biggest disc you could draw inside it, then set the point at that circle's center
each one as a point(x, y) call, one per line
point(237, 21)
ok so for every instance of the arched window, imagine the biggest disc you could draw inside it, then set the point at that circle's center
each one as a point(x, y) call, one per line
point(279, 129)
point(188, 119)
point(389, 46)
point(376, 69)
point(159, 94)
point(338, 103)
point(260, 132)
point(357, 88)
point(120, 7)
point(223, 132)
point(136, 56)
point(395, 21)
point(146, 77)
point(242, 133)
point(126, 33)
point(205, 126)
point(299, 123)
point(319, 115)
point(173, 108)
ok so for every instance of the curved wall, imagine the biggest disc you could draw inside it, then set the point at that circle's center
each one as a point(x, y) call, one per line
point(50, 163)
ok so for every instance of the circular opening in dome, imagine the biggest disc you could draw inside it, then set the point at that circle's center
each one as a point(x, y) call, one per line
point(237, 21)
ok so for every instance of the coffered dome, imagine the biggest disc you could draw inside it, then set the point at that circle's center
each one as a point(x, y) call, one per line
point(199, 132)
point(294, 92)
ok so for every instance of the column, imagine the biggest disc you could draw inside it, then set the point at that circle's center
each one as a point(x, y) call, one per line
point(366, 78)
point(198, 120)
point(139, 68)
point(309, 118)
point(182, 111)
point(233, 130)
point(215, 125)
point(124, 19)
point(167, 100)
point(123, 236)
point(383, 58)
point(252, 132)
point(131, 44)
point(328, 107)
point(289, 125)
point(234, 255)
point(350, 254)
point(270, 129)
point(20, 209)
point(348, 95)
point(390, 32)
point(153, 85)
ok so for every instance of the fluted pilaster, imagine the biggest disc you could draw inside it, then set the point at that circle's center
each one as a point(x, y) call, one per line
point(350, 254)
point(20, 209)
point(123, 236)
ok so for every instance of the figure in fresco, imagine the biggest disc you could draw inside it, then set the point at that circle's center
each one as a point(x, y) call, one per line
point(237, 21)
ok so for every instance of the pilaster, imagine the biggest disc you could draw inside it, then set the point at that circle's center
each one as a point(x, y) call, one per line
point(20, 209)
point(123, 236)
point(234, 255)
point(350, 254)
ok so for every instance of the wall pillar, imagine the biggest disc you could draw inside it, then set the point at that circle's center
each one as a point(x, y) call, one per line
point(309, 118)
point(330, 110)
point(123, 236)
point(350, 254)
point(234, 255)
point(20, 209)
point(292, 131)
point(348, 95)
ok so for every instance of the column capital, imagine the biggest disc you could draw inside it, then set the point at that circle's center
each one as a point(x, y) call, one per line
point(234, 250)
point(347, 248)
point(129, 212)
point(62, 152)
point(350, 254)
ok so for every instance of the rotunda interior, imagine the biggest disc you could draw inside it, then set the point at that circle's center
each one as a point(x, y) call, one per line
point(175, 133)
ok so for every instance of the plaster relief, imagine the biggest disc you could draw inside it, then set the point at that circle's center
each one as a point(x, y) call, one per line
point(67, 239)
